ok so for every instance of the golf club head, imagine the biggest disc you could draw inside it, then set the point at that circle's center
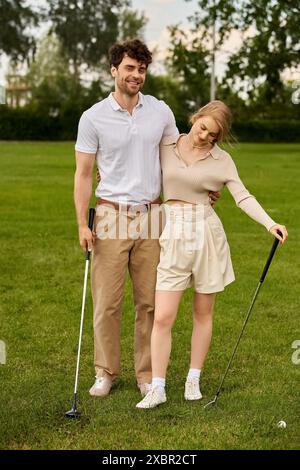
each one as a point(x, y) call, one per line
point(73, 413)
point(210, 403)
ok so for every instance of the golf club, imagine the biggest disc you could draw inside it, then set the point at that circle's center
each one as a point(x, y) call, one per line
point(272, 252)
point(73, 412)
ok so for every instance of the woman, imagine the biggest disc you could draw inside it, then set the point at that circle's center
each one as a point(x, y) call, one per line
point(194, 248)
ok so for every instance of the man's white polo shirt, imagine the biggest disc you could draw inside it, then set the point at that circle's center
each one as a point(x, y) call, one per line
point(126, 147)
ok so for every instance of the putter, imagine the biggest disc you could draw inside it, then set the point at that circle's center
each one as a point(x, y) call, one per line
point(73, 412)
point(272, 252)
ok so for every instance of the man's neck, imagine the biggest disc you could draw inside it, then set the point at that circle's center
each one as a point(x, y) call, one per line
point(125, 101)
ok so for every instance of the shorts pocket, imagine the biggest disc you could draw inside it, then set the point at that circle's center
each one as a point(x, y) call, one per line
point(216, 225)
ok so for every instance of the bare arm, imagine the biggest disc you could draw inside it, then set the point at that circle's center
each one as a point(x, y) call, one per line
point(83, 184)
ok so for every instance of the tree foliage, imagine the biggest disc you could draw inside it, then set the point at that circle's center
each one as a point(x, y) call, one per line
point(87, 28)
point(131, 24)
point(189, 65)
point(16, 19)
point(271, 41)
point(54, 90)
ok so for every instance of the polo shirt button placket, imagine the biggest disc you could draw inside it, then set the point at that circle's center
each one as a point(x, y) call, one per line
point(133, 125)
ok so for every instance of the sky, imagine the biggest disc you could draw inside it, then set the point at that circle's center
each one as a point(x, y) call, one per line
point(162, 13)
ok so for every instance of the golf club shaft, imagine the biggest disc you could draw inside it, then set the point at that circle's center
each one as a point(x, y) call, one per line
point(81, 322)
point(264, 273)
point(87, 259)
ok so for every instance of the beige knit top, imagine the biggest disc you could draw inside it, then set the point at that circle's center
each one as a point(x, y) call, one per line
point(192, 183)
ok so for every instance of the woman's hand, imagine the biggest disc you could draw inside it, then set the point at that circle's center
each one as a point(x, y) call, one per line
point(282, 229)
point(98, 177)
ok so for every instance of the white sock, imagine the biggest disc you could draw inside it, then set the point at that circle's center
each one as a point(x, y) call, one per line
point(159, 382)
point(194, 374)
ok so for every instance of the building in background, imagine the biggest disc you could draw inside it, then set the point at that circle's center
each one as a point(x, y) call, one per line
point(17, 91)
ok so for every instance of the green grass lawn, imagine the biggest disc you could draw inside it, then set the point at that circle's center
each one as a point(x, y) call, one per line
point(42, 269)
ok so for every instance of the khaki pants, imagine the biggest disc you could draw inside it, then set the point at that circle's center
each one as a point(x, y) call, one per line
point(111, 259)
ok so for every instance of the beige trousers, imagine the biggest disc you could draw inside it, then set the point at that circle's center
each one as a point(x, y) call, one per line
point(113, 255)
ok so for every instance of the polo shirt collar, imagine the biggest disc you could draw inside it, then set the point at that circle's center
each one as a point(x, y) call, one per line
point(141, 100)
point(215, 151)
point(115, 105)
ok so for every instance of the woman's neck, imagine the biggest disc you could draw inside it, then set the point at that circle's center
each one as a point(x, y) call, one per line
point(190, 145)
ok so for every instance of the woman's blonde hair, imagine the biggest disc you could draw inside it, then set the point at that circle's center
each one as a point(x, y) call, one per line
point(220, 112)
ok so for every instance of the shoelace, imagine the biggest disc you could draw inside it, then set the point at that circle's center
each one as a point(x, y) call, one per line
point(151, 395)
point(192, 387)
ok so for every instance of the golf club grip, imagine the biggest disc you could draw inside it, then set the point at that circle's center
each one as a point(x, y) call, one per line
point(272, 252)
point(91, 218)
point(91, 224)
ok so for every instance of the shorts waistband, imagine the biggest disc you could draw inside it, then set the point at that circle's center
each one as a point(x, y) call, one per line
point(190, 211)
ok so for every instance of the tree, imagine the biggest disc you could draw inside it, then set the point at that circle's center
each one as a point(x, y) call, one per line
point(57, 86)
point(163, 87)
point(189, 65)
point(54, 91)
point(271, 41)
point(87, 28)
point(131, 24)
point(274, 47)
point(48, 63)
point(16, 20)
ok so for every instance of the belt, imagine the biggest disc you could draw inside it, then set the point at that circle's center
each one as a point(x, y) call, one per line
point(130, 207)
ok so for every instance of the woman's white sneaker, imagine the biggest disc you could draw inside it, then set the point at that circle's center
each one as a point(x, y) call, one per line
point(156, 396)
point(144, 388)
point(192, 390)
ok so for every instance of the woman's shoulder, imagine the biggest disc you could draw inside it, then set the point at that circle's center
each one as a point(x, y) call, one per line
point(222, 154)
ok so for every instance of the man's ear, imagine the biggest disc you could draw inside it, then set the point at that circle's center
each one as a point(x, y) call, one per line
point(113, 70)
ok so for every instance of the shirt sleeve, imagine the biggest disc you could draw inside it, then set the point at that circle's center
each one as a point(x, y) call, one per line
point(244, 200)
point(87, 138)
point(170, 126)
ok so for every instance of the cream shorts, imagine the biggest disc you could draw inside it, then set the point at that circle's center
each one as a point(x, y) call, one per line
point(194, 250)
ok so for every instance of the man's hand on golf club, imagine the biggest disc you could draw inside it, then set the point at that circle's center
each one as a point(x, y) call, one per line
point(86, 238)
point(282, 229)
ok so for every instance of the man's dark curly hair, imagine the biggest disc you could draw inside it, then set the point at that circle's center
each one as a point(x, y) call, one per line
point(134, 48)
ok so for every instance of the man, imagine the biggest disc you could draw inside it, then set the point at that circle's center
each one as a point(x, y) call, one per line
point(122, 132)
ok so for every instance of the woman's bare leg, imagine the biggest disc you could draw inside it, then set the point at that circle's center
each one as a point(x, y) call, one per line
point(203, 307)
point(166, 306)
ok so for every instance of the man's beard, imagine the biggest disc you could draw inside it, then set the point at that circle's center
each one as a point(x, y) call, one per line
point(126, 89)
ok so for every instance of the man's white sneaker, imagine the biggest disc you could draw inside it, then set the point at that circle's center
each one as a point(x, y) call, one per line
point(101, 387)
point(156, 396)
point(192, 390)
point(144, 388)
